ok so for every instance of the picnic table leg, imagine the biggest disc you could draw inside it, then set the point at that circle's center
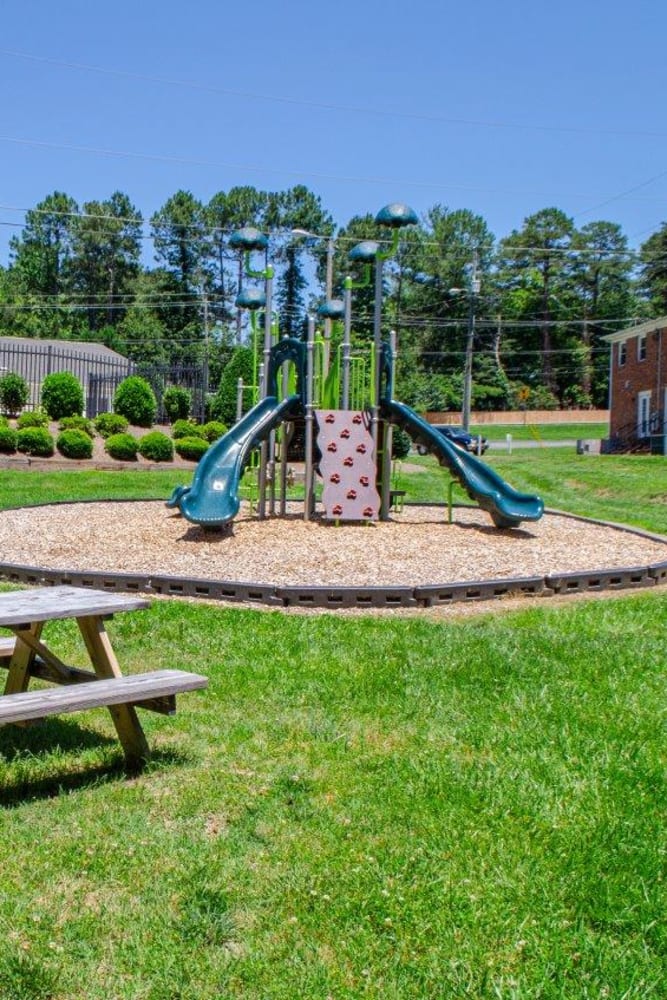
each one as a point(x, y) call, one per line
point(21, 662)
point(105, 664)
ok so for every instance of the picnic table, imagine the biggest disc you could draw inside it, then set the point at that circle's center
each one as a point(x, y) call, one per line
point(26, 654)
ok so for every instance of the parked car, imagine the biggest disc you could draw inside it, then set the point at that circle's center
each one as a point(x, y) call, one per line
point(474, 443)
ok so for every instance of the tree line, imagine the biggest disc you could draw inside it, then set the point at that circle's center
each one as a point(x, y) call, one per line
point(539, 299)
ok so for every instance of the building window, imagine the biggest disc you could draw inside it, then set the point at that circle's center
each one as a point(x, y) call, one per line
point(641, 348)
point(622, 353)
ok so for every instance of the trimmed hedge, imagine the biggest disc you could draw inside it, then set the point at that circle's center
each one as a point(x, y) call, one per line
point(135, 400)
point(191, 448)
point(32, 418)
point(77, 423)
point(62, 395)
point(156, 447)
point(123, 447)
point(107, 424)
point(7, 440)
point(35, 441)
point(186, 429)
point(214, 429)
point(14, 393)
point(74, 443)
point(177, 403)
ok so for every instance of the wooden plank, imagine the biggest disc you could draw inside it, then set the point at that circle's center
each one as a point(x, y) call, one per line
point(132, 689)
point(22, 660)
point(43, 671)
point(105, 665)
point(41, 604)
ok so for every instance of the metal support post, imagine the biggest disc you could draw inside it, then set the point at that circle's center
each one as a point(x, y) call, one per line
point(309, 494)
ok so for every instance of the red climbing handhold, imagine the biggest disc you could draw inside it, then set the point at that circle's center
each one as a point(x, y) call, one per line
point(335, 478)
point(351, 494)
point(337, 510)
point(364, 480)
point(348, 461)
point(361, 448)
point(330, 418)
point(345, 433)
point(332, 447)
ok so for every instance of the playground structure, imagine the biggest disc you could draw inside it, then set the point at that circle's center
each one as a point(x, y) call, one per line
point(346, 402)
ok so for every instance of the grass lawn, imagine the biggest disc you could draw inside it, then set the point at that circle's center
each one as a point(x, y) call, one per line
point(381, 807)
point(541, 432)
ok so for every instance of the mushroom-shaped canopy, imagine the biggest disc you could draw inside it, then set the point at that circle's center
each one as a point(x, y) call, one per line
point(396, 215)
point(332, 309)
point(248, 238)
point(366, 251)
point(251, 298)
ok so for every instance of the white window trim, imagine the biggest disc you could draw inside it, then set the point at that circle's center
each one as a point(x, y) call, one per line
point(644, 421)
point(641, 344)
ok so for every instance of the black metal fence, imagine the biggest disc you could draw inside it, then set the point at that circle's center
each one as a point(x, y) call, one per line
point(99, 374)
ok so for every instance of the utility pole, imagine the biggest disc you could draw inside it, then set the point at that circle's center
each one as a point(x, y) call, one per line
point(473, 291)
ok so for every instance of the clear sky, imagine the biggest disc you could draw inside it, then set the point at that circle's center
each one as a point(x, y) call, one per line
point(502, 108)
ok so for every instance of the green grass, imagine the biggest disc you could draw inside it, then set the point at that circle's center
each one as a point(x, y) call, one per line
point(541, 432)
point(391, 807)
point(355, 808)
point(629, 489)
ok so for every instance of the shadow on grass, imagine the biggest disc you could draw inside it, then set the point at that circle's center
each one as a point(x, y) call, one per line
point(64, 749)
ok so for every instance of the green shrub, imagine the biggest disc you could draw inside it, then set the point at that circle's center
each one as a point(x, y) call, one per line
point(240, 365)
point(157, 447)
point(135, 400)
point(186, 429)
point(7, 440)
point(123, 447)
point(74, 443)
point(191, 448)
point(35, 441)
point(32, 418)
point(77, 423)
point(214, 429)
point(107, 424)
point(400, 443)
point(177, 403)
point(62, 395)
point(13, 393)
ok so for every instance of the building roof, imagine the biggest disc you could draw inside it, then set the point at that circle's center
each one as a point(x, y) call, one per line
point(639, 330)
point(78, 347)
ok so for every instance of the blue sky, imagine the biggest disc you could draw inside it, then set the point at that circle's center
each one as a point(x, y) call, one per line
point(500, 108)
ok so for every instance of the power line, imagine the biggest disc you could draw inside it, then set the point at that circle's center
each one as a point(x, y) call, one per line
point(330, 106)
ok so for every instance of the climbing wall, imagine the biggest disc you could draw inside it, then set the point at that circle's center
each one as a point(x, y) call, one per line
point(347, 466)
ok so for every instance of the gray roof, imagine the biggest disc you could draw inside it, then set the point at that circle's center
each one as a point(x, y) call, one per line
point(79, 347)
point(639, 330)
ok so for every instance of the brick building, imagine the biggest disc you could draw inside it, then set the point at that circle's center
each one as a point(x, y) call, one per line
point(638, 383)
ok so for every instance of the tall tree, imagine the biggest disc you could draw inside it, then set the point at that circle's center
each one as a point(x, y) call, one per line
point(653, 256)
point(106, 242)
point(39, 258)
point(533, 261)
point(296, 209)
point(601, 280)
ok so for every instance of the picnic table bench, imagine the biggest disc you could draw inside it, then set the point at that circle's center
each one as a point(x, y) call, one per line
point(26, 655)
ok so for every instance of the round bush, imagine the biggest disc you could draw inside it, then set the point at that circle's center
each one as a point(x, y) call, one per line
point(157, 447)
point(123, 447)
point(191, 448)
point(135, 400)
point(7, 440)
point(107, 424)
point(214, 429)
point(177, 403)
point(35, 441)
point(32, 418)
point(400, 443)
point(13, 393)
point(186, 429)
point(77, 423)
point(62, 395)
point(74, 443)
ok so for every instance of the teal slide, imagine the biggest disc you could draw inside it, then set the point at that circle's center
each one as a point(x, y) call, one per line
point(506, 506)
point(213, 498)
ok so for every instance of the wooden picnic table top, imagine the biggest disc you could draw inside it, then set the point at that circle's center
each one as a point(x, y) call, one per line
point(43, 604)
